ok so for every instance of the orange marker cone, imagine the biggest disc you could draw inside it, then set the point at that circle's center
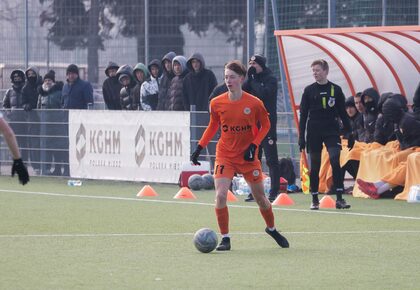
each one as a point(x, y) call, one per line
point(185, 193)
point(231, 196)
point(283, 199)
point(147, 190)
point(327, 202)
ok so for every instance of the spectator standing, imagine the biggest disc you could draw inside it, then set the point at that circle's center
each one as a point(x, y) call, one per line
point(321, 105)
point(77, 93)
point(262, 84)
point(111, 87)
point(29, 102)
point(140, 74)
point(165, 83)
point(50, 99)
point(127, 97)
point(199, 83)
point(150, 88)
point(176, 90)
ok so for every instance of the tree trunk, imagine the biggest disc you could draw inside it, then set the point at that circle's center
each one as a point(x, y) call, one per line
point(93, 42)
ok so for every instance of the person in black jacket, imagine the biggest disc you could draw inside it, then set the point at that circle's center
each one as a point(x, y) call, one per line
point(165, 83)
point(111, 87)
point(29, 102)
point(263, 84)
point(322, 103)
point(127, 97)
point(198, 83)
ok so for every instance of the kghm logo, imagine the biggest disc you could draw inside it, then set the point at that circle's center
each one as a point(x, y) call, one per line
point(80, 143)
point(236, 128)
point(140, 146)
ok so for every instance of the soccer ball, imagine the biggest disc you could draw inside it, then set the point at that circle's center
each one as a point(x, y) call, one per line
point(208, 181)
point(205, 240)
point(195, 182)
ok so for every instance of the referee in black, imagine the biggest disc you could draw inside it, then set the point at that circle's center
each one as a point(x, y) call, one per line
point(263, 84)
point(322, 104)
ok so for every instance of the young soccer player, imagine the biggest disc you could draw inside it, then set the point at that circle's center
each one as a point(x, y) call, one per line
point(238, 114)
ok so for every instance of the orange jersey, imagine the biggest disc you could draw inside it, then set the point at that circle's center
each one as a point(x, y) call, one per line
point(239, 124)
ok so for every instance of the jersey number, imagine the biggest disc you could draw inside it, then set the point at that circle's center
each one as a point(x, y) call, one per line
point(221, 167)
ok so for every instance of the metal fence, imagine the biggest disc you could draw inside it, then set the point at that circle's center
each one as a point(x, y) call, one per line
point(43, 138)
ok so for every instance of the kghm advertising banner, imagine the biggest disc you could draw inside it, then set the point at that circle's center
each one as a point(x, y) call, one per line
point(129, 145)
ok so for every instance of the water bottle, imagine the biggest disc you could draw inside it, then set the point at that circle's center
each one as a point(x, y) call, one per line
point(72, 182)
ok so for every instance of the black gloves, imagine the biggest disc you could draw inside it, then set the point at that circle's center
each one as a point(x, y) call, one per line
point(249, 154)
point(302, 144)
point(195, 155)
point(20, 168)
point(350, 141)
point(252, 72)
point(27, 107)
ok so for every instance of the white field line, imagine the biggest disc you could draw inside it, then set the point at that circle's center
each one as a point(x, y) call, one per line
point(338, 212)
point(110, 235)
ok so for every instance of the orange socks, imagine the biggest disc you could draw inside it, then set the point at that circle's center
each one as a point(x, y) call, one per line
point(222, 215)
point(268, 216)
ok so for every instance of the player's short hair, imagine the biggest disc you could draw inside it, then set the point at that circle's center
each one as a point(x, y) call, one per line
point(322, 62)
point(236, 66)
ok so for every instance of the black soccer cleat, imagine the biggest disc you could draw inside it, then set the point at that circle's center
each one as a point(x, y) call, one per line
point(272, 197)
point(342, 204)
point(314, 206)
point(281, 241)
point(250, 198)
point(224, 245)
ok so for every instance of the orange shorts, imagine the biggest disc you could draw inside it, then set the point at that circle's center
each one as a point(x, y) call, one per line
point(226, 168)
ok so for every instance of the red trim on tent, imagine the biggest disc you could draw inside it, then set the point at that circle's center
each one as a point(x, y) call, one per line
point(362, 63)
point(381, 56)
point(406, 35)
point(343, 70)
point(394, 29)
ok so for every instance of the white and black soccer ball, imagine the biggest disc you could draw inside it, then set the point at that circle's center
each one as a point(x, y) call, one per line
point(208, 181)
point(205, 240)
point(195, 182)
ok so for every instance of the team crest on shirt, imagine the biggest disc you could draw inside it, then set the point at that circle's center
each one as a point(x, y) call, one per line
point(331, 102)
point(247, 111)
point(256, 172)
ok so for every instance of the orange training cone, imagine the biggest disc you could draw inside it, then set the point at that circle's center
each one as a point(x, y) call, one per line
point(283, 199)
point(327, 202)
point(231, 196)
point(185, 193)
point(147, 190)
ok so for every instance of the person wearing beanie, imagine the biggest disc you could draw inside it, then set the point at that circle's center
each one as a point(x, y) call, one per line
point(111, 87)
point(167, 76)
point(50, 99)
point(263, 84)
point(176, 90)
point(13, 96)
point(77, 93)
point(322, 106)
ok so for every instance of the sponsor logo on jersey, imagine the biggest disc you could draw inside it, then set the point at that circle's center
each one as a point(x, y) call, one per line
point(236, 128)
point(247, 111)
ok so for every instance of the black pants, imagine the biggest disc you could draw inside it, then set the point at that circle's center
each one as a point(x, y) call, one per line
point(333, 148)
point(269, 146)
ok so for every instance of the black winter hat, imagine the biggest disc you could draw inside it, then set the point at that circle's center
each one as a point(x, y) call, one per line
point(350, 102)
point(50, 75)
point(392, 110)
point(258, 58)
point(72, 68)
point(17, 73)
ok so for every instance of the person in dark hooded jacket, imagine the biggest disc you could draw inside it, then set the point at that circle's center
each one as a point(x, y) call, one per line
point(111, 87)
point(176, 90)
point(165, 83)
point(149, 90)
point(50, 99)
point(407, 127)
point(416, 103)
point(141, 74)
point(125, 76)
point(262, 84)
point(198, 83)
point(384, 131)
point(29, 102)
point(370, 99)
